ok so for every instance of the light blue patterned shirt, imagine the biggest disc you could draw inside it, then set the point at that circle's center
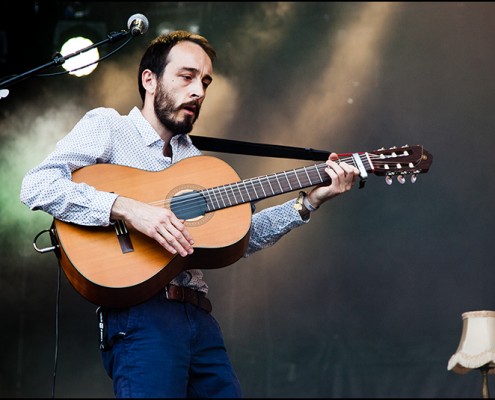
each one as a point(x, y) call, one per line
point(105, 136)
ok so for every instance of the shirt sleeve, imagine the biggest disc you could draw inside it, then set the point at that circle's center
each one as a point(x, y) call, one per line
point(49, 185)
point(270, 224)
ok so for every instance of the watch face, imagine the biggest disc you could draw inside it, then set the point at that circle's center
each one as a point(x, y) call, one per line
point(298, 205)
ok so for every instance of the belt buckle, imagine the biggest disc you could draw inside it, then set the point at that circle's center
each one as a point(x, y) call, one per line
point(180, 289)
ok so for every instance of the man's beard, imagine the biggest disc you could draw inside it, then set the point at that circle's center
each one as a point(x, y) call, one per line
point(164, 109)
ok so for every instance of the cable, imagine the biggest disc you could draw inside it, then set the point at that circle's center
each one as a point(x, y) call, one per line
point(57, 308)
point(87, 65)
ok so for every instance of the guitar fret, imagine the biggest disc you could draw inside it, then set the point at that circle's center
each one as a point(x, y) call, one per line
point(235, 187)
point(209, 204)
point(219, 191)
point(254, 189)
point(216, 198)
point(212, 199)
point(297, 175)
point(258, 188)
point(298, 181)
point(318, 171)
point(228, 197)
point(279, 185)
point(247, 190)
point(239, 197)
point(269, 179)
point(288, 181)
point(212, 203)
point(240, 192)
point(306, 172)
point(270, 184)
point(262, 188)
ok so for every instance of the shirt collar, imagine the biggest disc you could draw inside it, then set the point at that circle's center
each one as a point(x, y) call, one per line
point(148, 133)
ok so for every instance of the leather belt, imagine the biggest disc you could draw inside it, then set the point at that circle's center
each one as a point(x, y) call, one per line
point(187, 295)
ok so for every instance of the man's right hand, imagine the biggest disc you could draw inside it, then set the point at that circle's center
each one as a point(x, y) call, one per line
point(158, 223)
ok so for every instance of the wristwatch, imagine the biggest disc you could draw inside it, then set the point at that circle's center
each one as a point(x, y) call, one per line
point(303, 205)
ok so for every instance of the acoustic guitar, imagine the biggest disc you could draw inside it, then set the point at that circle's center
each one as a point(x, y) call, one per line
point(117, 266)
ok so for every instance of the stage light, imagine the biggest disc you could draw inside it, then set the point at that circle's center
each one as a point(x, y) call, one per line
point(74, 64)
point(73, 36)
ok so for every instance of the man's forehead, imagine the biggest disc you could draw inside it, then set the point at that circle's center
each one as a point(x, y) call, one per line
point(190, 55)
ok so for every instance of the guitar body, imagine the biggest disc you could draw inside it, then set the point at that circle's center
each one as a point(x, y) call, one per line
point(94, 261)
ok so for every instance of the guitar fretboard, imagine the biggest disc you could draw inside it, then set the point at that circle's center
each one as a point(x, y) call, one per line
point(266, 186)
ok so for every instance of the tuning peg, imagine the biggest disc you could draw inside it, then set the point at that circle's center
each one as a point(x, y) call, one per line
point(389, 180)
point(414, 178)
point(401, 179)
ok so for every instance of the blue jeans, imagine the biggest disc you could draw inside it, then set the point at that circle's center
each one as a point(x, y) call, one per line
point(165, 348)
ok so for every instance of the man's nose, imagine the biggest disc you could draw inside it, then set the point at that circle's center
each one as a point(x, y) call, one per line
point(198, 90)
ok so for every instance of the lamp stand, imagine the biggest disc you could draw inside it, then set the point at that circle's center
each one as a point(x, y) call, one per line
point(485, 393)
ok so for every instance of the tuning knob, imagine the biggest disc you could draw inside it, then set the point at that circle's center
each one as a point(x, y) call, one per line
point(401, 179)
point(414, 178)
point(389, 180)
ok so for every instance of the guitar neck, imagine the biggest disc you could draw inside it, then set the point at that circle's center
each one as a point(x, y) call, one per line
point(406, 160)
point(263, 187)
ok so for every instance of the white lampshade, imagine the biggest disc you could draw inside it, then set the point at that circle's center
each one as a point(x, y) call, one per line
point(477, 346)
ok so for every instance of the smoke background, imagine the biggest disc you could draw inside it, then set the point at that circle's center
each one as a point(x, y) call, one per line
point(364, 301)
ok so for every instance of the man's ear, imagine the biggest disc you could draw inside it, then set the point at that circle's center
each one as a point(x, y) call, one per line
point(148, 79)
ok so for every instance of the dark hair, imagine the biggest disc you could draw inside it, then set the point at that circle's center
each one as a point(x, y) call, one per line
point(155, 56)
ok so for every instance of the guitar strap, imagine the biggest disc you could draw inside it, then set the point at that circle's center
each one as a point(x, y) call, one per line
point(257, 149)
point(266, 150)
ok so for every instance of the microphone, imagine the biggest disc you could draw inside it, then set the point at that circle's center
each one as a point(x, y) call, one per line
point(138, 24)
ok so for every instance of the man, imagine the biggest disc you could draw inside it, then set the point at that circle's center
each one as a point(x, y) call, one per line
point(169, 345)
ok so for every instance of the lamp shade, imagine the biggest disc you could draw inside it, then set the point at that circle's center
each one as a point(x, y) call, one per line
point(477, 345)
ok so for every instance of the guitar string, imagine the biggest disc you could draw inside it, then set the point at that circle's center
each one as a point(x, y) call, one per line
point(269, 179)
point(217, 193)
point(184, 199)
point(188, 202)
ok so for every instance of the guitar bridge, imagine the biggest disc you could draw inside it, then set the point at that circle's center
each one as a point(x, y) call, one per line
point(123, 236)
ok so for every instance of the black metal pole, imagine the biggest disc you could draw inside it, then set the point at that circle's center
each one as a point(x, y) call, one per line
point(59, 59)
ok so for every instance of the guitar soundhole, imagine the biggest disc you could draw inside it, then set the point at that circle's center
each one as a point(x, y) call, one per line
point(192, 208)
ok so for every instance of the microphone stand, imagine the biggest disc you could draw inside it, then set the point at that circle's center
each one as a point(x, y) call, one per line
point(59, 59)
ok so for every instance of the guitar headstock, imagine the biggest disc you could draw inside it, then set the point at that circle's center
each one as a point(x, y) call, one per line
point(400, 161)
